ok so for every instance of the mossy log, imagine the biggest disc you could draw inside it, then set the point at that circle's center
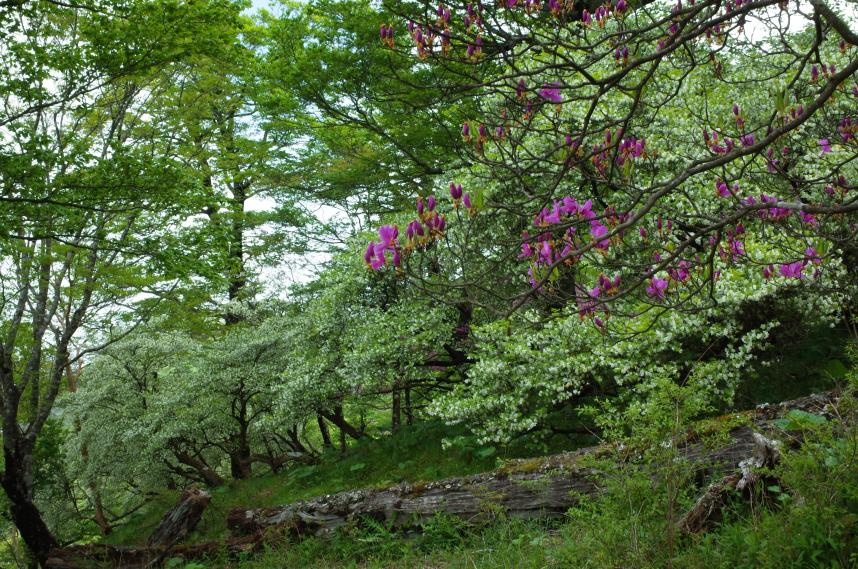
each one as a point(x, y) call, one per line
point(525, 489)
point(98, 555)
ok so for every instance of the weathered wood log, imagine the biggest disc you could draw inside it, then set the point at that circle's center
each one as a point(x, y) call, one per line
point(182, 518)
point(121, 557)
point(709, 506)
point(527, 488)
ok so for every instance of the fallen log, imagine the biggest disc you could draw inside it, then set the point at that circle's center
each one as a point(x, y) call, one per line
point(526, 488)
point(129, 557)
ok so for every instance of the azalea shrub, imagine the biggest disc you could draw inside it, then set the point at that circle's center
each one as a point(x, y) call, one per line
point(634, 193)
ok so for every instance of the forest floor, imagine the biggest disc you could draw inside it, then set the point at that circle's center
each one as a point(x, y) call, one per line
point(807, 518)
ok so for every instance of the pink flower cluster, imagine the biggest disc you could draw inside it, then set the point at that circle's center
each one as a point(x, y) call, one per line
point(795, 269)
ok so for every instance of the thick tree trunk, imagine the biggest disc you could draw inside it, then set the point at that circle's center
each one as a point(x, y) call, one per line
point(527, 488)
point(17, 482)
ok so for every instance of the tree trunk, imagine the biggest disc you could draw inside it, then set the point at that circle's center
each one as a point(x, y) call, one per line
point(208, 475)
point(396, 408)
point(326, 434)
point(344, 426)
point(409, 410)
point(17, 481)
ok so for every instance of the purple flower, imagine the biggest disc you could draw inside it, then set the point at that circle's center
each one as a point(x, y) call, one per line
point(826, 146)
point(808, 218)
point(768, 272)
point(455, 191)
point(526, 249)
point(813, 256)
point(466, 130)
point(621, 6)
point(430, 203)
point(657, 287)
point(466, 200)
point(545, 251)
point(597, 230)
point(792, 270)
point(554, 216)
point(814, 73)
point(369, 254)
point(388, 235)
point(551, 92)
point(378, 260)
point(747, 140)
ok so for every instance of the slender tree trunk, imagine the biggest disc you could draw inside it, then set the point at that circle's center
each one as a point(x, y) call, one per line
point(409, 410)
point(99, 517)
point(326, 434)
point(344, 426)
point(396, 408)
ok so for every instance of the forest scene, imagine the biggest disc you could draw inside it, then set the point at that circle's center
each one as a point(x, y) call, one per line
point(400, 283)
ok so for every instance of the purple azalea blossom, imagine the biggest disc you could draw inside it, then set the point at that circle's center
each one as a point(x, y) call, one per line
point(792, 270)
point(813, 256)
point(455, 191)
point(657, 287)
point(551, 92)
point(545, 251)
point(808, 218)
point(388, 235)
